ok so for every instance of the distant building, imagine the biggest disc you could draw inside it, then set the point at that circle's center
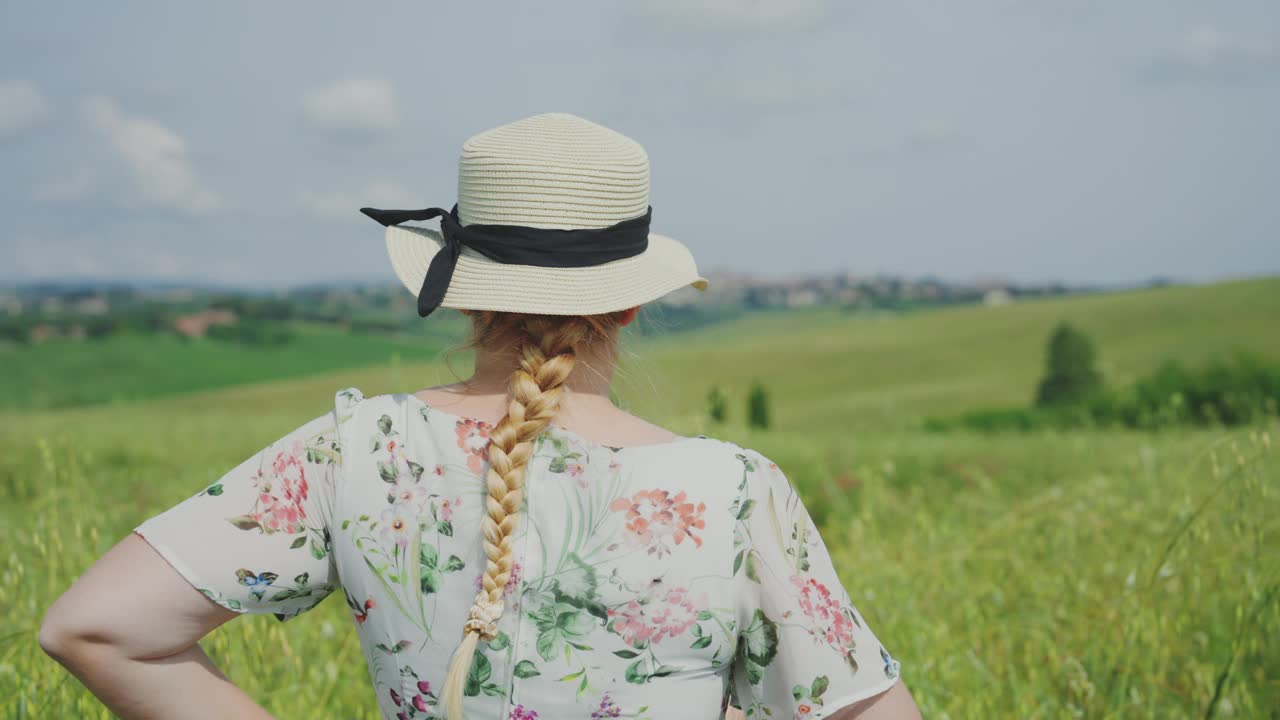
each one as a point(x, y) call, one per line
point(95, 305)
point(998, 296)
point(195, 325)
point(43, 332)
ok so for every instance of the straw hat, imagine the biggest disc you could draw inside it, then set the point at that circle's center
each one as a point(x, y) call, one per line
point(547, 172)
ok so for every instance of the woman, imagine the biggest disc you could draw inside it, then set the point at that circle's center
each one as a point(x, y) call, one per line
point(497, 564)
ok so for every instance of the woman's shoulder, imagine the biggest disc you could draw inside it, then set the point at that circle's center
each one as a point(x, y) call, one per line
point(348, 398)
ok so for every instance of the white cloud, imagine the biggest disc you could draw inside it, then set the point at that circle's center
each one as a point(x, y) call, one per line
point(1205, 46)
point(733, 15)
point(157, 159)
point(1208, 54)
point(345, 204)
point(353, 104)
point(22, 106)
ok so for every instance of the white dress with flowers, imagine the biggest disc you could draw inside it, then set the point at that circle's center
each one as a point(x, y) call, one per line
point(658, 581)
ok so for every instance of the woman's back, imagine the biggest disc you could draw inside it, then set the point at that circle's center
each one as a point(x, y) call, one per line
point(647, 581)
point(515, 570)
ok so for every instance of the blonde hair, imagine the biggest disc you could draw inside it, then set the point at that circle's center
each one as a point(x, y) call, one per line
point(546, 348)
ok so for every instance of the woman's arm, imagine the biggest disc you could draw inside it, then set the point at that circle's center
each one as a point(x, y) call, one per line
point(895, 703)
point(128, 629)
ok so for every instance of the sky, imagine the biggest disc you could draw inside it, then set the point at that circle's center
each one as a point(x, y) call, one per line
point(232, 143)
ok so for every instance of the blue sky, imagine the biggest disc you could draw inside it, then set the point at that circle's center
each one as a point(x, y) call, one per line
point(1092, 141)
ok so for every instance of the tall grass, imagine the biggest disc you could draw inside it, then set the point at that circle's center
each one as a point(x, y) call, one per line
point(1049, 575)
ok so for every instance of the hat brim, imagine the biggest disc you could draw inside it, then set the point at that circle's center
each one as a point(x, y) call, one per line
point(481, 283)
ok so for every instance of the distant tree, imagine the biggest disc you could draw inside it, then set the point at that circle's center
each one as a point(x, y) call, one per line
point(717, 405)
point(758, 406)
point(1070, 374)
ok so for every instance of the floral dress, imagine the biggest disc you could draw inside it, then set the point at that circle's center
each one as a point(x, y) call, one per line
point(654, 581)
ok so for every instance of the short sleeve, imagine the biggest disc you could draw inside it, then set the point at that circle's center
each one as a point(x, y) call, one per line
point(804, 650)
point(258, 540)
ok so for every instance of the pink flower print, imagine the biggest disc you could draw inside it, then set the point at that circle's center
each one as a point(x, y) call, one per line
point(654, 516)
point(830, 623)
point(520, 712)
point(282, 490)
point(398, 521)
point(669, 613)
point(607, 709)
point(447, 506)
point(409, 492)
point(414, 696)
point(576, 471)
point(289, 471)
point(473, 438)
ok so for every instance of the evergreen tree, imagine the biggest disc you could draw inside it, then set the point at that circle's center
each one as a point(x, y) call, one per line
point(758, 406)
point(717, 405)
point(1070, 375)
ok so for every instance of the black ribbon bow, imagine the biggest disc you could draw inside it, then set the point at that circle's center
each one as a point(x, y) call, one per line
point(516, 244)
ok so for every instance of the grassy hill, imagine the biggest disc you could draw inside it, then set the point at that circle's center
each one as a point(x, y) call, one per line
point(822, 366)
point(828, 369)
point(1055, 574)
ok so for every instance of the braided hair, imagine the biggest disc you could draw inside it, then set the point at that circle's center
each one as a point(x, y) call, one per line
point(546, 348)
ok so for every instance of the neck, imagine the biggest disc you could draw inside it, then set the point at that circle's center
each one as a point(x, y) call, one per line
point(592, 374)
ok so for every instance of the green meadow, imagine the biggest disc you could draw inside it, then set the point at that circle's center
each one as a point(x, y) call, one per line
point(1094, 574)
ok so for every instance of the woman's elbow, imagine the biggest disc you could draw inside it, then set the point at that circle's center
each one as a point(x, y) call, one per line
point(61, 635)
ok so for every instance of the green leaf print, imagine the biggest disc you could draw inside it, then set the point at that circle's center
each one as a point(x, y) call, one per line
point(577, 582)
point(811, 693)
point(384, 424)
point(428, 555)
point(636, 674)
point(454, 564)
point(387, 471)
point(758, 646)
point(416, 469)
point(753, 564)
point(431, 581)
point(244, 522)
point(299, 542)
point(501, 642)
point(478, 678)
point(526, 669)
point(547, 641)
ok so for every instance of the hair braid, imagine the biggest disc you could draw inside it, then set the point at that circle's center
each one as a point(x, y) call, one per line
point(547, 350)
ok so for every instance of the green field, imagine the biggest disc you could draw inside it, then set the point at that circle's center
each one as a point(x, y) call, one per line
point(129, 367)
point(1044, 575)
